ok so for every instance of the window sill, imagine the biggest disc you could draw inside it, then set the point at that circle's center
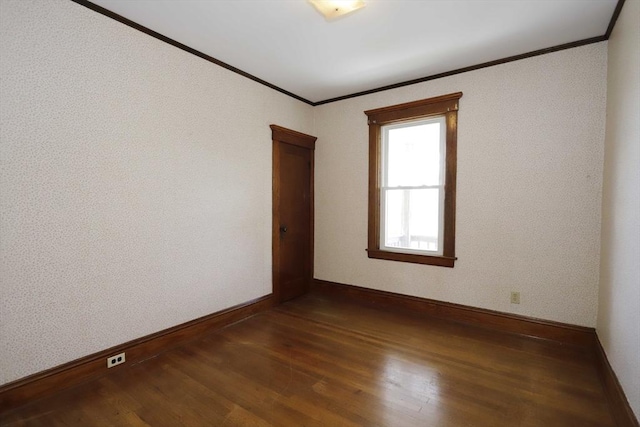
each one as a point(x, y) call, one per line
point(440, 261)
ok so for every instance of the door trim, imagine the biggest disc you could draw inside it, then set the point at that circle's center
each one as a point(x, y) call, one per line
point(280, 135)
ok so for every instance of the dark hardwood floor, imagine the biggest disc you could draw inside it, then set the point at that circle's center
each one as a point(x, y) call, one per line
point(322, 362)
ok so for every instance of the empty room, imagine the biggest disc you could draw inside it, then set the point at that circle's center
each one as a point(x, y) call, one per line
point(320, 213)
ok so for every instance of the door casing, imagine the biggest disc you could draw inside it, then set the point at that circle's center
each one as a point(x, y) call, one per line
point(281, 135)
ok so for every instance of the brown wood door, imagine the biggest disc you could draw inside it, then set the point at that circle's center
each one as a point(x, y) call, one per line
point(292, 213)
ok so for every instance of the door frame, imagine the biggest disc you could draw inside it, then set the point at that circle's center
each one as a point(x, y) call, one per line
point(280, 135)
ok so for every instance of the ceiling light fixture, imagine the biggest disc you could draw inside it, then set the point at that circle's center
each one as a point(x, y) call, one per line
point(332, 9)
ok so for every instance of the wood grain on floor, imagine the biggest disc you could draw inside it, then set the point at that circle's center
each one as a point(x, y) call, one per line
point(318, 361)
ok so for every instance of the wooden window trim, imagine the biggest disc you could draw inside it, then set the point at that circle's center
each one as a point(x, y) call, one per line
point(445, 105)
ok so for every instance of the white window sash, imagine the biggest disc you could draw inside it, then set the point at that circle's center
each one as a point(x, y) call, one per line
point(384, 189)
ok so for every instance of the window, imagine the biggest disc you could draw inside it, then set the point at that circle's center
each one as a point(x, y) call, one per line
point(412, 181)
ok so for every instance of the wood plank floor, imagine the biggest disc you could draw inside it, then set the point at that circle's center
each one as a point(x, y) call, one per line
point(321, 362)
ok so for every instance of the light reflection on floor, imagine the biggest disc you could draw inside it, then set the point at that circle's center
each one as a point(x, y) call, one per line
point(409, 386)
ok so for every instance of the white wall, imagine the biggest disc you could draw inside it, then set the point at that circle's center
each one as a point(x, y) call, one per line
point(135, 188)
point(135, 184)
point(530, 152)
point(619, 298)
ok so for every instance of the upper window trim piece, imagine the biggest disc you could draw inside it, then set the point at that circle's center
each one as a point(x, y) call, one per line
point(445, 105)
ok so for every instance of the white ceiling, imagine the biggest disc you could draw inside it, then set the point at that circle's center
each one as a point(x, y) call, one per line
point(290, 45)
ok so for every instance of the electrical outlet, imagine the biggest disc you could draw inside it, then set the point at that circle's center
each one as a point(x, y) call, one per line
point(515, 297)
point(115, 360)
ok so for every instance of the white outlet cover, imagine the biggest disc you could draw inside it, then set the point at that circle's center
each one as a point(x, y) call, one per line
point(115, 360)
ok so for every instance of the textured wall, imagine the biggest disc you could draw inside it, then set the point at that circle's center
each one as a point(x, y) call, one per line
point(619, 298)
point(135, 184)
point(530, 150)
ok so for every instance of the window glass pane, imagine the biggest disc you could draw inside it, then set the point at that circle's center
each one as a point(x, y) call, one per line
point(413, 154)
point(412, 219)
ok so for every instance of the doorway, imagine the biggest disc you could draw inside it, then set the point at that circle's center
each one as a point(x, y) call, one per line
point(292, 231)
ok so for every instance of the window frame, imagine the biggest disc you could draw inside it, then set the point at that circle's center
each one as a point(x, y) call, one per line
point(447, 106)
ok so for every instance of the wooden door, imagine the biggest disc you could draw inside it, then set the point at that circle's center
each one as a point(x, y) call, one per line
point(292, 213)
